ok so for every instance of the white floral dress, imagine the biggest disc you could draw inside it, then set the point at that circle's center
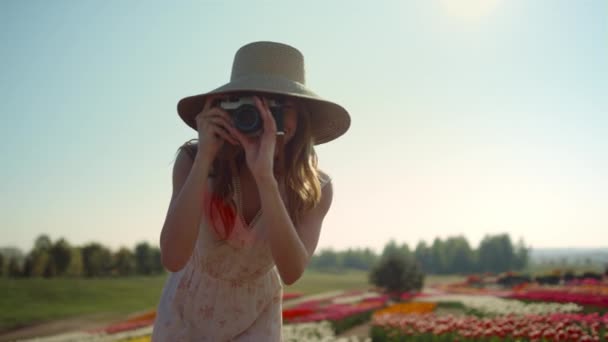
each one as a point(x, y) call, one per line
point(229, 290)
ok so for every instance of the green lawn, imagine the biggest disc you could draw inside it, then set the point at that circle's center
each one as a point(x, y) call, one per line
point(28, 301)
point(316, 282)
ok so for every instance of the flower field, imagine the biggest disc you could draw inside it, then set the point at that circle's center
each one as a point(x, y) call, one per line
point(575, 311)
point(584, 294)
point(434, 327)
point(572, 311)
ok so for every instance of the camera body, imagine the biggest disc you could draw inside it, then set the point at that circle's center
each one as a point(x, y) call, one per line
point(247, 118)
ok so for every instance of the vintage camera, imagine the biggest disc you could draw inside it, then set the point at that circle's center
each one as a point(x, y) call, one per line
point(247, 118)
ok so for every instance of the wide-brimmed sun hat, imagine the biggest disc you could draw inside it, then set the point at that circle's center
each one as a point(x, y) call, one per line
point(274, 68)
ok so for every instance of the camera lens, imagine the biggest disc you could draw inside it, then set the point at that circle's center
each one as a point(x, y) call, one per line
point(247, 119)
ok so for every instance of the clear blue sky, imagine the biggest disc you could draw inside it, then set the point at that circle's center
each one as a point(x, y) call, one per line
point(468, 116)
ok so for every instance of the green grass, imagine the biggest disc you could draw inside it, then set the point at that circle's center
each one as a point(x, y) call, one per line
point(313, 282)
point(432, 279)
point(29, 301)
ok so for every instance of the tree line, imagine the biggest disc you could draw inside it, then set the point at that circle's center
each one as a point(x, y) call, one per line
point(454, 255)
point(60, 259)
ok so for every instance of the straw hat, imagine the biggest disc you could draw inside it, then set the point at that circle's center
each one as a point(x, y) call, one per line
point(274, 68)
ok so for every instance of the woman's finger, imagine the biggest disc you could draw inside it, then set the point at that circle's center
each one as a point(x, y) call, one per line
point(220, 132)
point(245, 141)
point(270, 128)
point(225, 126)
point(219, 119)
point(267, 119)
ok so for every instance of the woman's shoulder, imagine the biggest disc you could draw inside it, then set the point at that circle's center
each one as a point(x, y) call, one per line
point(190, 147)
point(324, 178)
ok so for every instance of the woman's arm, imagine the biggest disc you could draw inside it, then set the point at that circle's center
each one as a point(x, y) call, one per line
point(180, 230)
point(291, 249)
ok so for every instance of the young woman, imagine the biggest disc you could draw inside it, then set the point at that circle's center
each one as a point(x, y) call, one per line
point(247, 206)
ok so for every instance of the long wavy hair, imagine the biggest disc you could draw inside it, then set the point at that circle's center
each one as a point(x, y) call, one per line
point(301, 175)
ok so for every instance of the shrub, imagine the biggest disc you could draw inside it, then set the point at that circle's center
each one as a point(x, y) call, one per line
point(397, 273)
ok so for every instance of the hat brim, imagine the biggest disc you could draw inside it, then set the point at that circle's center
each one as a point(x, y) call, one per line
point(329, 120)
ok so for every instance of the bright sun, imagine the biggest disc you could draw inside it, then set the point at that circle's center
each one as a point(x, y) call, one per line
point(469, 8)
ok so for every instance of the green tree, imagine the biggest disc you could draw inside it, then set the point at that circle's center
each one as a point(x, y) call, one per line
point(358, 259)
point(61, 255)
point(157, 264)
point(327, 260)
point(76, 266)
point(144, 263)
point(97, 260)
point(125, 262)
point(14, 268)
point(438, 257)
point(496, 254)
point(39, 263)
point(392, 248)
point(521, 255)
point(397, 274)
point(43, 243)
point(2, 267)
point(459, 256)
point(423, 254)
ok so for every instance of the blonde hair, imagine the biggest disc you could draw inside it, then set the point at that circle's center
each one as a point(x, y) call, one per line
point(302, 183)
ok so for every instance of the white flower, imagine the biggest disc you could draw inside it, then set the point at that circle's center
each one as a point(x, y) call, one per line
point(492, 306)
point(315, 332)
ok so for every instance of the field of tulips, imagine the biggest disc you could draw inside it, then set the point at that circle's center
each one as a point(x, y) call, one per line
point(344, 311)
point(407, 308)
point(569, 312)
point(445, 313)
point(434, 327)
point(583, 294)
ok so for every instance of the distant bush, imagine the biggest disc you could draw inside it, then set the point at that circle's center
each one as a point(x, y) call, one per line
point(397, 273)
point(551, 279)
point(511, 280)
point(569, 276)
point(590, 275)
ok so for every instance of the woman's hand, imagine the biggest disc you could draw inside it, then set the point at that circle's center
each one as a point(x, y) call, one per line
point(259, 150)
point(214, 127)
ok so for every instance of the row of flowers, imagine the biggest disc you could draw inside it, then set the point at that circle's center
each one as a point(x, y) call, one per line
point(433, 327)
point(562, 297)
point(494, 306)
point(466, 288)
point(407, 308)
point(308, 332)
point(583, 288)
point(316, 331)
point(595, 295)
point(343, 311)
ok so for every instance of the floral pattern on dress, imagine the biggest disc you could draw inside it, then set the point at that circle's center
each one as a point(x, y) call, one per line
point(229, 290)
